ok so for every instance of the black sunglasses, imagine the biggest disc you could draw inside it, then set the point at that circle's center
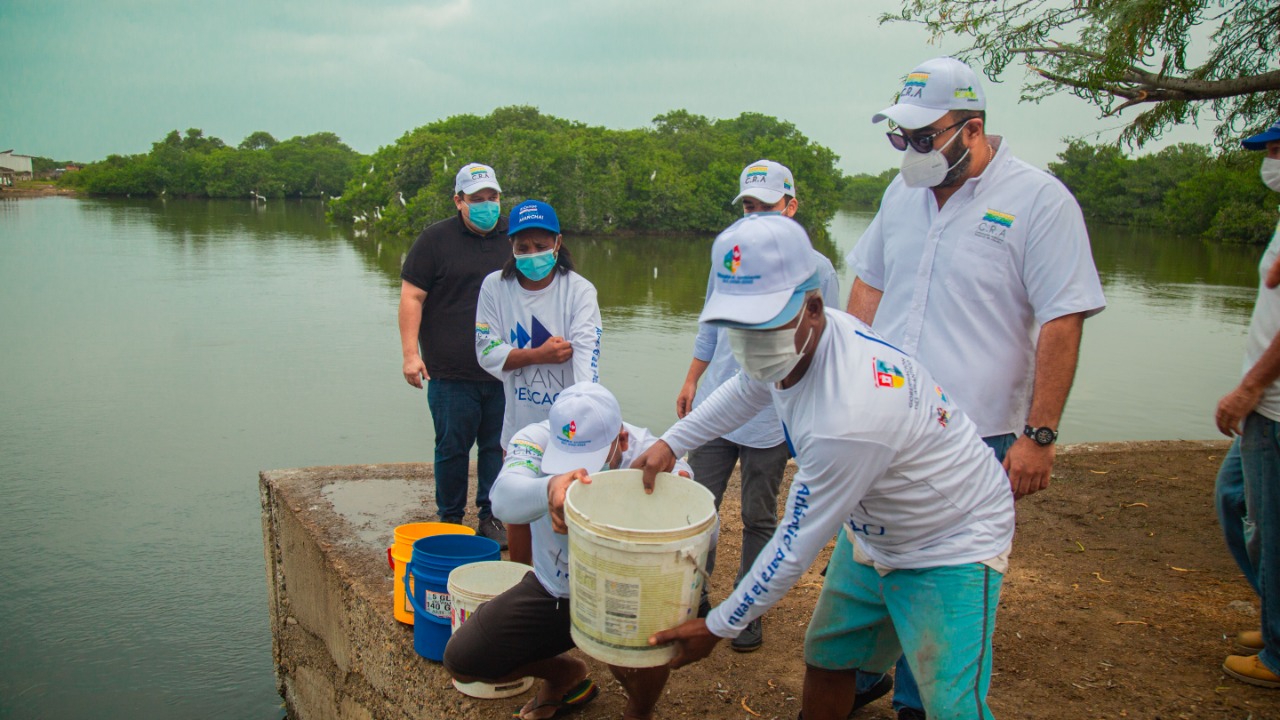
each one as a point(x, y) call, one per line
point(922, 143)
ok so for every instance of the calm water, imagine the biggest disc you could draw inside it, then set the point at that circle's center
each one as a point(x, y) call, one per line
point(157, 356)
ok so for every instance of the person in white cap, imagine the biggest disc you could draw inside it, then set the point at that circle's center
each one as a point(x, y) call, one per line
point(759, 446)
point(1247, 490)
point(525, 631)
point(440, 285)
point(979, 265)
point(884, 455)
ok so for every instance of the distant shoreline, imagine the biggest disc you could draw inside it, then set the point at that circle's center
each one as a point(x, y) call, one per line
point(35, 192)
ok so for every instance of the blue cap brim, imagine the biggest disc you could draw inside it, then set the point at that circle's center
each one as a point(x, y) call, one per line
point(1259, 141)
point(788, 312)
point(530, 226)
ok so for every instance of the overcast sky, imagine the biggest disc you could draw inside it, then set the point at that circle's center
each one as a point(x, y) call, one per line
point(80, 79)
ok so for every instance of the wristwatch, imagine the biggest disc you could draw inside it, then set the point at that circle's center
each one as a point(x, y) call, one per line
point(1042, 435)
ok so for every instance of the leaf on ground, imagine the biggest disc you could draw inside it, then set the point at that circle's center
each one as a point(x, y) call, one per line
point(748, 708)
point(1100, 578)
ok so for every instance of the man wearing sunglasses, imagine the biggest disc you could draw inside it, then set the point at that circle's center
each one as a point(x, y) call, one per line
point(979, 265)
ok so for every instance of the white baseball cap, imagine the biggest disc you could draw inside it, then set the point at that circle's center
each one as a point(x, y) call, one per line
point(933, 89)
point(585, 420)
point(474, 177)
point(766, 181)
point(763, 265)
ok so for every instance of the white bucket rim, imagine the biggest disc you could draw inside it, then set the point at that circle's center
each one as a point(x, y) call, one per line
point(639, 534)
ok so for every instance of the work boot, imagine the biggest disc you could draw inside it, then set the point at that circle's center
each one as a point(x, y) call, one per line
point(492, 528)
point(749, 640)
point(451, 519)
point(1248, 668)
point(1250, 639)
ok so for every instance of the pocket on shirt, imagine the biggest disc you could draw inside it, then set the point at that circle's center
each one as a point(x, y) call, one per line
point(979, 269)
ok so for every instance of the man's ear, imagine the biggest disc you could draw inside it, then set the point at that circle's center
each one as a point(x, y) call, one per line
point(623, 440)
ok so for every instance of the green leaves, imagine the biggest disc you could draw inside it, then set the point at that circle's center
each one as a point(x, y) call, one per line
point(678, 176)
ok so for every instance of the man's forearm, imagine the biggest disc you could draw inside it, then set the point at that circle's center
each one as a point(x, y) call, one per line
point(410, 317)
point(1057, 354)
point(864, 301)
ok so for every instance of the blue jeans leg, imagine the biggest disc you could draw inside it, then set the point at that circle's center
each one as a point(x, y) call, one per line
point(455, 413)
point(1260, 460)
point(905, 691)
point(1238, 529)
point(489, 450)
point(712, 464)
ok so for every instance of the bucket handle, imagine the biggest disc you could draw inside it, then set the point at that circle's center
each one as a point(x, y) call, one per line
point(414, 601)
point(692, 557)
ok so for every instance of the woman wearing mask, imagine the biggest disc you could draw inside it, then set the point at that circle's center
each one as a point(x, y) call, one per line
point(537, 328)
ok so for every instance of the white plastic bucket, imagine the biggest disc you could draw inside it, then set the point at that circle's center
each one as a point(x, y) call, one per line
point(469, 586)
point(636, 562)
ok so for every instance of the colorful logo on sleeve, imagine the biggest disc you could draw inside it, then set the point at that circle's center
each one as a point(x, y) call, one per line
point(569, 430)
point(733, 260)
point(944, 417)
point(888, 375)
point(941, 395)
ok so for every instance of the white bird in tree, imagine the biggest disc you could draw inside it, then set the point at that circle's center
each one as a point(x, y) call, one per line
point(258, 198)
point(371, 168)
point(653, 175)
point(400, 197)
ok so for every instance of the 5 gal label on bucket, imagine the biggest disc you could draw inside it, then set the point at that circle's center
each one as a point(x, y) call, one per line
point(438, 604)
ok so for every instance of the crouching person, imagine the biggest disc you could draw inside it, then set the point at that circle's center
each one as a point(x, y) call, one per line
point(525, 631)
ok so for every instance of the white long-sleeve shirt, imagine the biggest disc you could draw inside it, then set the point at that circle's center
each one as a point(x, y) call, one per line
point(882, 451)
point(509, 317)
point(519, 495)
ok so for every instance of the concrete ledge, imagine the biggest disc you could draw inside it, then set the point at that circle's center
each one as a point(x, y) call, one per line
point(338, 651)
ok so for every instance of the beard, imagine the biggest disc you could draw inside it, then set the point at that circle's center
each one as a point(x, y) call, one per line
point(958, 159)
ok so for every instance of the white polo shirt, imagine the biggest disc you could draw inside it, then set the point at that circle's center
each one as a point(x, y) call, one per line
point(966, 288)
point(882, 451)
point(1263, 328)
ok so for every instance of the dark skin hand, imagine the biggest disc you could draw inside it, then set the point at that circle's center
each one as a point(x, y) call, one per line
point(693, 641)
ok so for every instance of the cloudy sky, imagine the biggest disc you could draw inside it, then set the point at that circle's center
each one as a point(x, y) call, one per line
point(86, 78)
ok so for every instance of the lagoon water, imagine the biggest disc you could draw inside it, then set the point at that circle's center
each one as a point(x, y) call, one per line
point(156, 356)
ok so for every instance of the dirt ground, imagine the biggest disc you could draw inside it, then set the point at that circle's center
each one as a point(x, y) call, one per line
point(1120, 603)
point(34, 189)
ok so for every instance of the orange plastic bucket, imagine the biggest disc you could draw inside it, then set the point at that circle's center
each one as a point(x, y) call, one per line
point(399, 555)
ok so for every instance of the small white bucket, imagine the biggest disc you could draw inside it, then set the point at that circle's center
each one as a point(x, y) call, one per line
point(469, 586)
point(636, 562)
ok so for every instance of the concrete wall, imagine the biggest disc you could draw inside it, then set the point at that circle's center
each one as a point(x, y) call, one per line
point(339, 652)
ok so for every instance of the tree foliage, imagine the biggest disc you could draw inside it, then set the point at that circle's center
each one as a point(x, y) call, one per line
point(1175, 58)
point(679, 175)
point(193, 165)
point(1184, 189)
point(864, 191)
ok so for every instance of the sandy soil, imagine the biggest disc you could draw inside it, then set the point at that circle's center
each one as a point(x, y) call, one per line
point(1120, 603)
point(28, 190)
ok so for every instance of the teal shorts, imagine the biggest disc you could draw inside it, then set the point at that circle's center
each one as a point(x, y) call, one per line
point(941, 618)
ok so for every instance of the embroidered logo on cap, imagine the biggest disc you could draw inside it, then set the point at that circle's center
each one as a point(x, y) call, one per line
point(733, 260)
point(479, 173)
point(966, 93)
point(756, 174)
point(569, 430)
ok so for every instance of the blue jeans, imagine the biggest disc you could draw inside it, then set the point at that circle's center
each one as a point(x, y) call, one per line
point(905, 691)
point(1247, 496)
point(762, 470)
point(465, 413)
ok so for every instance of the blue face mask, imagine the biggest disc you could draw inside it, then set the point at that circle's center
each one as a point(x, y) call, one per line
point(484, 215)
point(762, 212)
point(536, 266)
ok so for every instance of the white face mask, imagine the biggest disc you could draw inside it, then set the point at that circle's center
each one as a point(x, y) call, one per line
point(1271, 173)
point(926, 170)
point(766, 355)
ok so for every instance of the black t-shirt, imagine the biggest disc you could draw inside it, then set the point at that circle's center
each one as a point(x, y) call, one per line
point(449, 262)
